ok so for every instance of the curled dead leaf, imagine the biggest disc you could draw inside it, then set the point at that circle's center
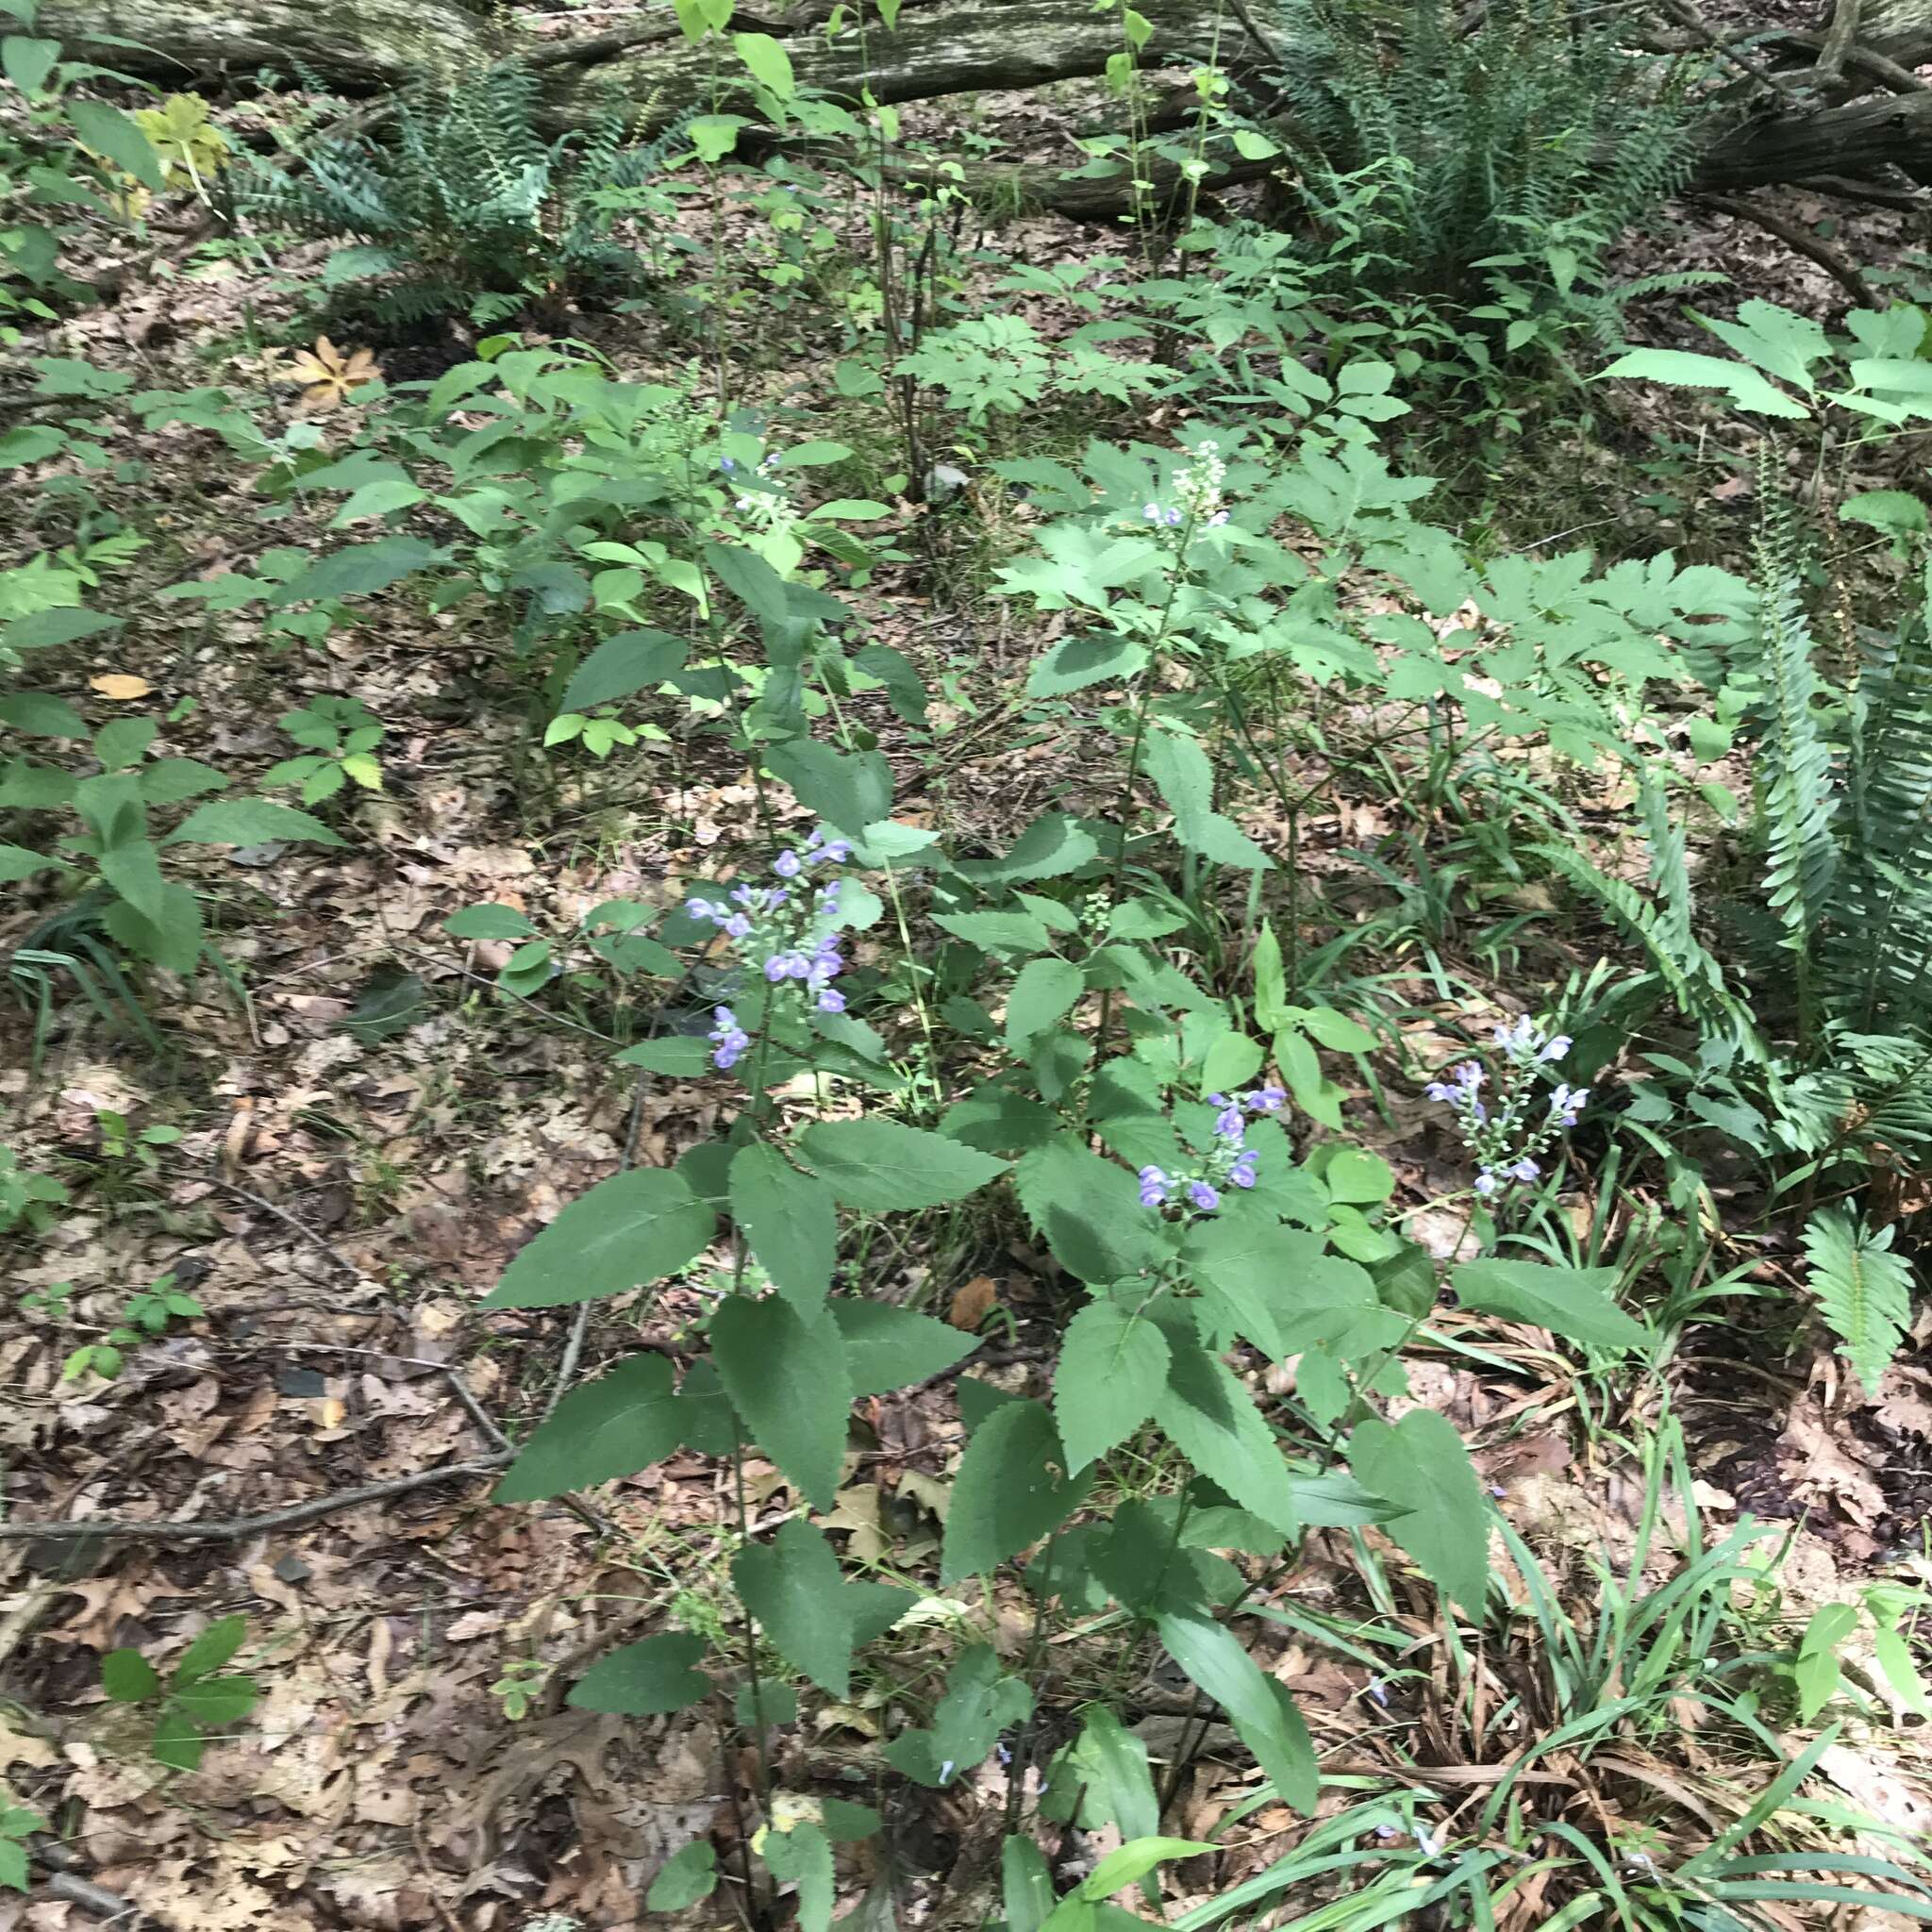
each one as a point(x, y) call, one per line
point(972, 1303)
point(119, 686)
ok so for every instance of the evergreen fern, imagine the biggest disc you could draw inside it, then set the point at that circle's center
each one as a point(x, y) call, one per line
point(1863, 1289)
point(1540, 130)
point(463, 205)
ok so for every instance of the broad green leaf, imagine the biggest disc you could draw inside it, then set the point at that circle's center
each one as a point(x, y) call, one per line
point(1090, 1211)
point(788, 1377)
point(1573, 1303)
point(850, 791)
point(214, 1647)
point(686, 1878)
point(1683, 369)
point(127, 1677)
point(770, 64)
point(250, 822)
point(488, 923)
point(889, 1347)
point(1233, 1061)
point(215, 1700)
point(616, 1425)
point(1354, 1175)
point(881, 1167)
point(1125, 1783)
point(1111, 1372)
point(1050, 847)
point(793, 1587)
point(633, 1228)
point(358, 570)
point(40, 714)
point(622, 665)
point(790, 1221)
point(1421, 1463)
point(134, 871)
point(1134, 1859)
point(714, 135)
point(1012, 1488)
point(1026, 1893)
point(801, 1856)
point(378, 497)
point(1215, 1425)
point(1260, 1709)
point(62, 626)
point(1270, 982)
point(683, 1057)
point(1179, 768)
point(114, 135)
point(17, 862)
point(29, 62)
point(1043, 993)
point(645, 1679)
point(980, 1702)
point(993, 932)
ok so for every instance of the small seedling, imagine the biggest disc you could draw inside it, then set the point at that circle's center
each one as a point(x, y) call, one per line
point(193, 1699)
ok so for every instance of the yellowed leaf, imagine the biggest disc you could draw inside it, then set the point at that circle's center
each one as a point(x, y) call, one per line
point(119, 686)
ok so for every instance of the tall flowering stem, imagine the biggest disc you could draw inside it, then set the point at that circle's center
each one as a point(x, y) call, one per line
point(1509, 1133)
point(786, 936)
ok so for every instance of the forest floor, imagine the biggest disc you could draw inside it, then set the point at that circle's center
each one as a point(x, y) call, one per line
point(366, 1130)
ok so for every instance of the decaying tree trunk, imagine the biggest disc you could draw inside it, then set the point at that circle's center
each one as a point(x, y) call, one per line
point(646, 66)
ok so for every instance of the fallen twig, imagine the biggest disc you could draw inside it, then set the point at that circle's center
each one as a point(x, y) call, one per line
point(1800, 241)
point(235, 1528)
point(282, 1214)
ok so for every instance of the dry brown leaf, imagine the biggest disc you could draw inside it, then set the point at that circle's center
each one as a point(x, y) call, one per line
point(327, 374)
point(119, 686)
point(972, 1303)
point(1820, 1464)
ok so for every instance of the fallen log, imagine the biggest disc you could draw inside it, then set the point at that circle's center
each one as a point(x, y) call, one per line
point(939, 47)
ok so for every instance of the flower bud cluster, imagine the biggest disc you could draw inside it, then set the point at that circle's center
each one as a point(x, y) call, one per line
point(787, 933)
point(1197, 493)
point(1506, 1138)
point(1230, 1163)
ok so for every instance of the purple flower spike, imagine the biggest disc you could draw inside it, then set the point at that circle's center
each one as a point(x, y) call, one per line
point(737, 926)
point(729, 1038)
point(1154, 1187)
point(1266, 1099)
point(1242, 1173)
point(1202, 1196)
point(788, 865)
point(777, 967)
point(831, 1001)
point(1555, 1049)
point(709, 909)
point(1487, 1184)
point(1173, 516)
point(1228, 1123)
point(1526, 1170)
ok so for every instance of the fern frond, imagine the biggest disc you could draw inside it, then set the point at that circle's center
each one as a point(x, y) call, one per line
point(1883, 963)
point(1864, 1290)
point(1689, 972)
point(1796, 796)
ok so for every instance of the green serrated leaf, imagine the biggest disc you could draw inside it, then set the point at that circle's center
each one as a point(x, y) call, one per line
point(1111, 1372)
point(1012, 1488)
point(790, 1222)
point(614, 1427)
point(633, 1228)
point(881, 1167)
point(788, 1377)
